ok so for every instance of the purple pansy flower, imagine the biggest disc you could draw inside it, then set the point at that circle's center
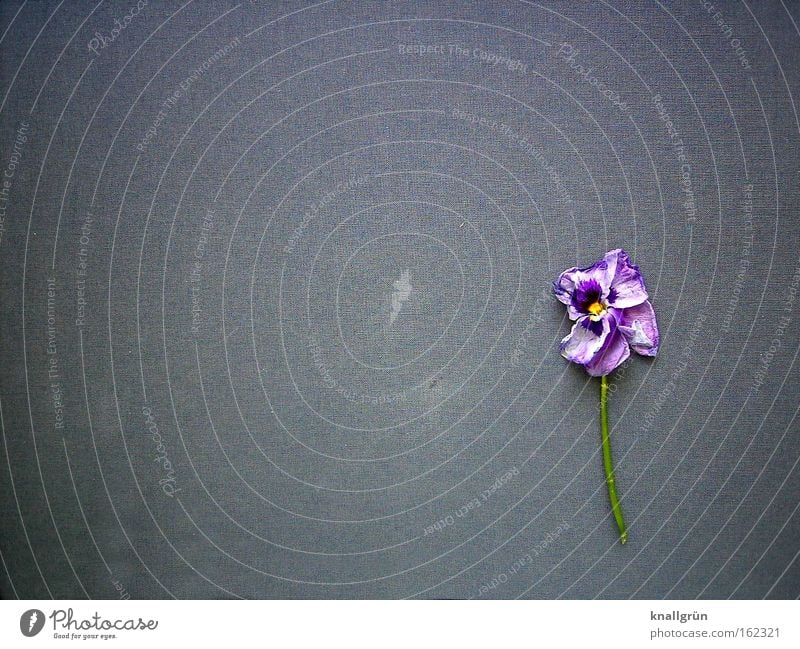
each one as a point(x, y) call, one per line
point(609, 303)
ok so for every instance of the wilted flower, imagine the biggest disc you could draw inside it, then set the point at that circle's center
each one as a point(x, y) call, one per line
point(612, 313)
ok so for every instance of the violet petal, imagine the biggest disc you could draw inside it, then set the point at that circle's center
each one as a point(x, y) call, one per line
point(627, 286)
point(638, 324)
point(615, 352)
point(583, 342)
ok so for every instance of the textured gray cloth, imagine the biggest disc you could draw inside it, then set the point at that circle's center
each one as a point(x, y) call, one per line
point(277, 319)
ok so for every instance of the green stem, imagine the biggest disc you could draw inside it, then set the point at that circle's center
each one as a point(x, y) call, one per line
point(608, 464)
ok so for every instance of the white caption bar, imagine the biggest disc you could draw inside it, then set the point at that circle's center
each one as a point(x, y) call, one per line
point(401, 624)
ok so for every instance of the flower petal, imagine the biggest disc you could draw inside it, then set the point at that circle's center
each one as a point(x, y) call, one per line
point(611, 356)
point(627, 286)
point(571, 281)
point(586, 339)
point(638, 325)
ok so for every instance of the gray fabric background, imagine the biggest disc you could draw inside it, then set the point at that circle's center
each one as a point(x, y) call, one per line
point(217, 400)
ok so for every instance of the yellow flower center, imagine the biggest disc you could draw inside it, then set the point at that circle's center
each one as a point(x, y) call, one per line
point(596, 309)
